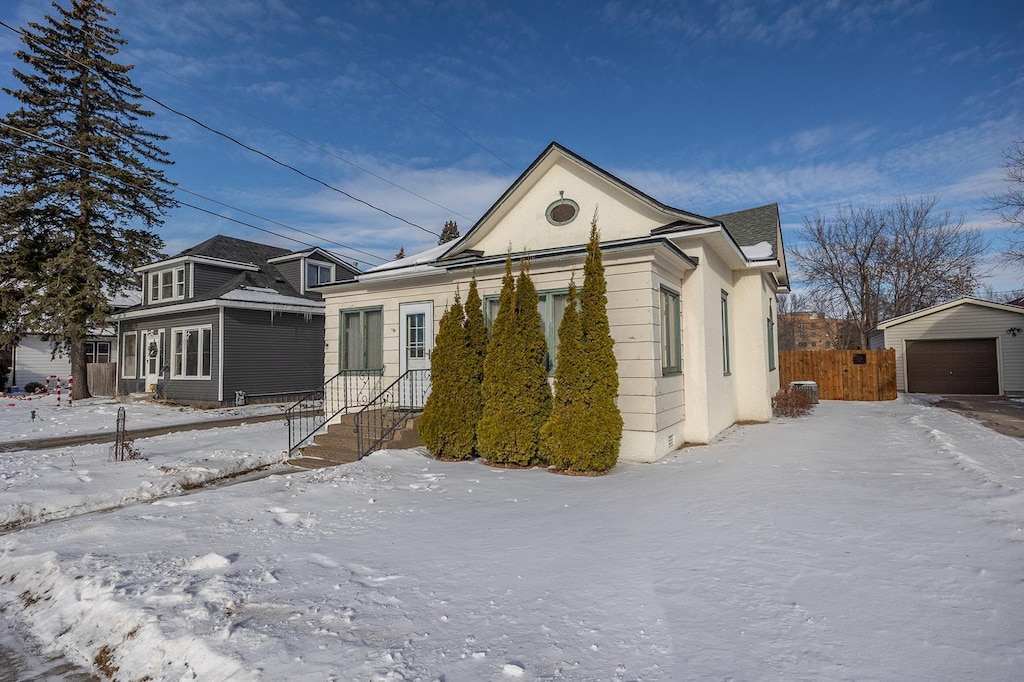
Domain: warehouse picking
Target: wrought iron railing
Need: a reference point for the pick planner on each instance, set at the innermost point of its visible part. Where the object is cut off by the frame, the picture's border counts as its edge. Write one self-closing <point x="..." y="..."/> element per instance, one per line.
<point x="381" y="417"/>
<point x="345" y="391"/>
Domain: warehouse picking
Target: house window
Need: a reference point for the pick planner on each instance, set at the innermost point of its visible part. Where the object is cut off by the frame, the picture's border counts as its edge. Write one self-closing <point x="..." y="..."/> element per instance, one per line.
<point x="318" y="273"/>
<point x="362" y="334"/>
<point x="771" y="338"/>
<point x="726" y="369"/>
<point x="130" y="355"/>
<point x="167" y="285"/>
<point x="551" y="306"/>
<point x="191" y="352"/>
<point x="671" y="343"/>
<point x="97" y="351"/>
<point x="415" y="334"/>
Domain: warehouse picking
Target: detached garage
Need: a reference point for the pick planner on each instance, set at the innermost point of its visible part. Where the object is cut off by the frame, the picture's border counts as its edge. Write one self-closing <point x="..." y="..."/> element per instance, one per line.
<point x="965" y="347"/>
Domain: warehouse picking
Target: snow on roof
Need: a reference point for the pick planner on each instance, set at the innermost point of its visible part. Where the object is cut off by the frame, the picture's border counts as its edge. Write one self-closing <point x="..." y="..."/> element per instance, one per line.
<point x="758" y="251"/>
<point x="428" y="256"/>
<point x="265" y="295"/>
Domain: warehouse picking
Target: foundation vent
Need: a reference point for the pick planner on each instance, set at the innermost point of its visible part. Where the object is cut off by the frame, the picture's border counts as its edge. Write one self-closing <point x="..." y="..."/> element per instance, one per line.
<point x="671" y="440"/>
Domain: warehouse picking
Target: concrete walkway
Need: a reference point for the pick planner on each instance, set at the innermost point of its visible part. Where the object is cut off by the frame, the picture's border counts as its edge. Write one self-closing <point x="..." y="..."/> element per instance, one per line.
<point x="110" y="436"/>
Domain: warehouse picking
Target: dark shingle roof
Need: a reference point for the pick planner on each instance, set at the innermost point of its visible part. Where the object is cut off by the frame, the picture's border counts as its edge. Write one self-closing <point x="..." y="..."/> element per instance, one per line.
<point x="242" y="251"/>
<point x="231" y="248"/>
<point x="753" y="225"/>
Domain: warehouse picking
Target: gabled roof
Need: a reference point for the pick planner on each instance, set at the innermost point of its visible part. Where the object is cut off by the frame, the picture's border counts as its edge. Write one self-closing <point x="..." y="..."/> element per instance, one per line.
<point x="753" y="225"/>
<point x="555" y="149"/>
<point x="967" y="300"/>
<point x="234" y="249"/>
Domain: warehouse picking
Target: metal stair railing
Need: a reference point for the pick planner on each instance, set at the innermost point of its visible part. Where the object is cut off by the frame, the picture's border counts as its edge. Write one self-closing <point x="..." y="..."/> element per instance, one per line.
<point x="380" y="418"/>
<point x="346" y="390"/>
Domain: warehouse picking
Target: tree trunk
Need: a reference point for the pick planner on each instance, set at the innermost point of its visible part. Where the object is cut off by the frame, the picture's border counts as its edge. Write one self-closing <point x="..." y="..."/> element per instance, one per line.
<point x="79" y="373"/>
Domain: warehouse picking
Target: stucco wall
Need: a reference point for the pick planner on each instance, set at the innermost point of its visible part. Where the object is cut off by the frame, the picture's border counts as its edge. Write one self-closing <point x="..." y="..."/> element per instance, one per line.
<point x="965" y="321"/>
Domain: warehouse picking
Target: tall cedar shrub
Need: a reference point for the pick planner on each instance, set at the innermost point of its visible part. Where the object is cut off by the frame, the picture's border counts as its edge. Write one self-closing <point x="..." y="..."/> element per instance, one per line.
<point x="535" y="405"/>
<point x="444" y="428"/>
<point x="81" y="188"/>
<point x="602" y="424"/>
<point x="516" y="404"/>
<point x="563" y="444"/>
<point x="476" y="339"/>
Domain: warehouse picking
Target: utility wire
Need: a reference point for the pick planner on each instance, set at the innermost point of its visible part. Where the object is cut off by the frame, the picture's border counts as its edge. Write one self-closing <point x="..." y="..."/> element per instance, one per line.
<point x="201" y="196"/>
<point x="250" y="148"/>
<point x="394" y="83"/>
<point x="292" y="135"/>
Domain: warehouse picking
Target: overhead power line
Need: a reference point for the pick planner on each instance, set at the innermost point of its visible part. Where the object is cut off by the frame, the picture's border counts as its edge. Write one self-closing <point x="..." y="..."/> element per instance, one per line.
<point x="201" y="196"/>
<point x="285" y="165"/>
<point x="397" y="86"/>
<point x="292" y="135"/>
<point x="250" y="148"/>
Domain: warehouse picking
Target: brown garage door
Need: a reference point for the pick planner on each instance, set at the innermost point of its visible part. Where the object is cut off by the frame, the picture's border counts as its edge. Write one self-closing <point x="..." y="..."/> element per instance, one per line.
<point x="963" y="366"/>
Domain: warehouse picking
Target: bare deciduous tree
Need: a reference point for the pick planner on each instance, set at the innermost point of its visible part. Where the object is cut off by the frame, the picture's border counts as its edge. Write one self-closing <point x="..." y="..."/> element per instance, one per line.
<point x="1010" y="204"/>
<point x="868" y="264"/>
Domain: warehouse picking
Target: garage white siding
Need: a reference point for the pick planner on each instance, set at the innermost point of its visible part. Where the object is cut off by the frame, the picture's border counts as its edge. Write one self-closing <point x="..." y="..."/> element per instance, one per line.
<point x="964" y="320"/>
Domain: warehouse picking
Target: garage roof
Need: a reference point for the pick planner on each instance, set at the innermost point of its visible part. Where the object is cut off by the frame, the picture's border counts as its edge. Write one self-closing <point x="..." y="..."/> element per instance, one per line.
<point x="967" y="300"/>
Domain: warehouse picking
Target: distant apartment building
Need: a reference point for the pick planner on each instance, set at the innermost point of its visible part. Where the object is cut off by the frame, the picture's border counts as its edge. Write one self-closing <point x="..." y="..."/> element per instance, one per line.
<point x="810" y="331"/>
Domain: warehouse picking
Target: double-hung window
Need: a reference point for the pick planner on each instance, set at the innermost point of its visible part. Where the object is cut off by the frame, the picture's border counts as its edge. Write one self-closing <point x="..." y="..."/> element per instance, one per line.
<point x="671" y="344"/>
<point x="129" y="355"/>
<point x="551" y="306"/>
<point x="97" y="351"/>
<point x="318" y="273"/>
<point x="726" y="366"/>
<point x="167" y="285"/>
<point x="362" y="339"/>
<point x="191" y="352"/>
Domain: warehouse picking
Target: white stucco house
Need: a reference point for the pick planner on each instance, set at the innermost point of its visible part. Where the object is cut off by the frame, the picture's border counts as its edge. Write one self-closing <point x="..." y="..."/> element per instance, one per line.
<point x="965" y="347"/>
<point x="691" y="299"/>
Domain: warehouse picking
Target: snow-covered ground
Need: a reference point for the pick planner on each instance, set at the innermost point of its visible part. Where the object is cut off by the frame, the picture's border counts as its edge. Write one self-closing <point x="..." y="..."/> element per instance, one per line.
<point x="865" y="541"/>
<point x="53" y="417"/>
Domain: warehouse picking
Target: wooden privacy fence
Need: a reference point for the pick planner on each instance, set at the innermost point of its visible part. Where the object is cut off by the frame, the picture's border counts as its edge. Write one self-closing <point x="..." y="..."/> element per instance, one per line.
<point x="101" y="378"/>
<point x="843" y="374"/>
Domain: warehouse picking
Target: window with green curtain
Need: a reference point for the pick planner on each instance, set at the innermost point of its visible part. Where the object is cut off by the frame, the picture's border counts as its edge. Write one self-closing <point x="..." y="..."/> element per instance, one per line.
<point x="771" y="337"/>
<point x="671" y="338"/>
<point x="362" y="339"/>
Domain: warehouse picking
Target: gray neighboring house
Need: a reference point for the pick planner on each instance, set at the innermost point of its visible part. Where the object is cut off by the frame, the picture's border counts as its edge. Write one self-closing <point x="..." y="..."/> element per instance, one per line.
<point x="966" y="347"/>
<point x="228" y="317"/>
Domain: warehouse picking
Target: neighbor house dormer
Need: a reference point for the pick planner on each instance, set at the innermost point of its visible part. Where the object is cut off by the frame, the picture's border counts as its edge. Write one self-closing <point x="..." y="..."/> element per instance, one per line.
<point x="306" y="270"/>
<point x="186" y="277"/>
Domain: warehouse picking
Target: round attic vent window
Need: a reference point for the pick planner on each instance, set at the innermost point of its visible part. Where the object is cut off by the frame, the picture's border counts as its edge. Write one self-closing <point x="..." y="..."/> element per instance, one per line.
<point x="562" y="211"/>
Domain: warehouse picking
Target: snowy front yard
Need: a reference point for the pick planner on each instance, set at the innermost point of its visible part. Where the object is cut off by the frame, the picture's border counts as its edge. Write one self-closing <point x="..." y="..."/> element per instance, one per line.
<point x="866" y="541"/>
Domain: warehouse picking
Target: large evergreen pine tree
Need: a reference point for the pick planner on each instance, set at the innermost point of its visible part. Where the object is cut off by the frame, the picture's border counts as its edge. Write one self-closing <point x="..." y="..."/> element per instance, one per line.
<point x="444" y="426"/>
<point x="80" y="191"/>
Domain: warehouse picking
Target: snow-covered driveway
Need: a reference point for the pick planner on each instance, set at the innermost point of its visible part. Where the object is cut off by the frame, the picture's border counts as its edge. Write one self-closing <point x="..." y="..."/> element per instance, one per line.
<point x="866" y="541"/>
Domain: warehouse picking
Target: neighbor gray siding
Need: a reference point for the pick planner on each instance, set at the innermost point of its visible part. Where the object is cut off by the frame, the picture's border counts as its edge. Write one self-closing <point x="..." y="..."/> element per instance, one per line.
<point x="208" y="277"/>
<point x="292" y="271"/>
<point x="270" y="353"/>
<point x="966" y="321"/>
<point x="179" y="390"/>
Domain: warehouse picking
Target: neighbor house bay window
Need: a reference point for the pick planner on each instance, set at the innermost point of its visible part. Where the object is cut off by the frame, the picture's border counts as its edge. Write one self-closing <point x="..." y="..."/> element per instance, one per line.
<point x="167" y="285"/>
<point x="671" y="345"/>
<point x="362" y="334"/>
<point x="191" y="353"/>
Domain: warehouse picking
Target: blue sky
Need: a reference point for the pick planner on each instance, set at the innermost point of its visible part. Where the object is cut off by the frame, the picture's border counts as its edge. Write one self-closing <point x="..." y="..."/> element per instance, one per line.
<point x="430" y="109"/>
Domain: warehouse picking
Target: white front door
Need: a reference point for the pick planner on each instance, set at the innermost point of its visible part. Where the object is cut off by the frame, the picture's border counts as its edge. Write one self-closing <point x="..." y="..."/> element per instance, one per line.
<point x="416" y="341"/>
<point x="152" y="350"/>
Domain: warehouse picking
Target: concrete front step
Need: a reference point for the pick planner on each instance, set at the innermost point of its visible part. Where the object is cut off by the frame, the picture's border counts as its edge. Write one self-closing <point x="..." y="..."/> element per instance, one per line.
<point x="338" y="445"/>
